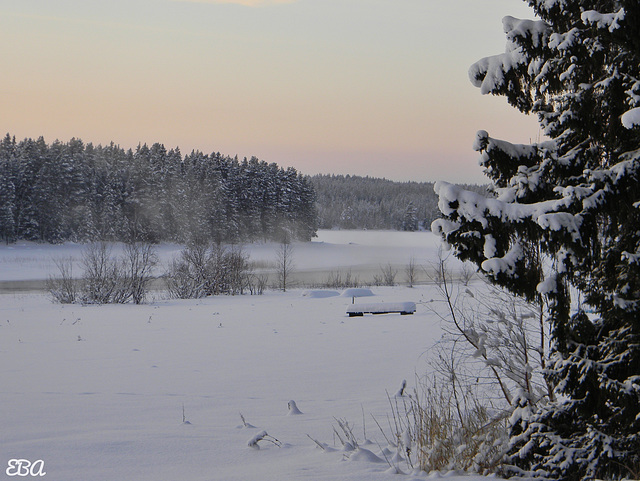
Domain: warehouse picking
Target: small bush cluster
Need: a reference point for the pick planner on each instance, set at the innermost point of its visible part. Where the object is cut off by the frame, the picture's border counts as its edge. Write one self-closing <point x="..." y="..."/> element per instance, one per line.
<point x="206" y="270"/>
<point x="106" y="279"/>
<point x="387" y="276"/>
<point x="437" y="430"/>
<point x="341" y="280"/>
<point x="487" y="367"/>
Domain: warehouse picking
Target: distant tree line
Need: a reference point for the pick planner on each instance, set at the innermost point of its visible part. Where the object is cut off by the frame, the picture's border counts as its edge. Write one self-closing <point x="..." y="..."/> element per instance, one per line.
<point x="80" y="192"/>
<point x="354" y="202"/>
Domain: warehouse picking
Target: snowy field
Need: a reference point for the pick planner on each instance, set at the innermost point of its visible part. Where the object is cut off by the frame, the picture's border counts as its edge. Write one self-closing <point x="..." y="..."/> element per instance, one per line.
<point x="156" y="392"/>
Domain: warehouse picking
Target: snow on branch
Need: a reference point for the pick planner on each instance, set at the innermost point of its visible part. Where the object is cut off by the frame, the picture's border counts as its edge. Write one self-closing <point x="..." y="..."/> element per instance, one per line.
<point x="549" y="285"/>
<point x="487" y="145"/>
<point x="262" y="436"/>
<point x="631" y="118"/>
<point x="631" y="257"/>
<point x="609" y="21"/>
<point x="489" y="73"/>
<point x="536" y="30"/>
<point x="443" y="227"/>
<point x="506" y="264"/>
<point x="558" y="221"/>
<point x="564" y="41"/>
<point x="629" y="166"/>
<point x="517" y="151"/>
<point x="471" y="206"/>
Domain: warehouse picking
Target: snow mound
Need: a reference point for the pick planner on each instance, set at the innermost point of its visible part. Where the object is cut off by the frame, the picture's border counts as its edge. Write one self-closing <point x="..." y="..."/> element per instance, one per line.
<point x="357" y="292"/>
<point x="293" y="409"/>
<point x="262" y="436"/>
<point x="253" y="442"/>
<point x="362" y="454"/>
<point x="395" y="470"/>
<point x="319" y="294"/>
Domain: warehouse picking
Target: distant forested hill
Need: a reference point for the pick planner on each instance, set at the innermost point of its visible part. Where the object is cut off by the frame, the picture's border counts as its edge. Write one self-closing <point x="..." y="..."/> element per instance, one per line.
<point x="80" y="192"/>
<point x="354" y="202"/>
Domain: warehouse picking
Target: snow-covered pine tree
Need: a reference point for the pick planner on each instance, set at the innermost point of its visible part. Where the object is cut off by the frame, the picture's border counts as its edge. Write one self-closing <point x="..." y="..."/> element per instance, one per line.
<point x="410" y="218"/>
<point x="7" y="189"/>
<point x="563" y="228"/>
<point x="307" y="212"/>
<point x="173" y="183"/>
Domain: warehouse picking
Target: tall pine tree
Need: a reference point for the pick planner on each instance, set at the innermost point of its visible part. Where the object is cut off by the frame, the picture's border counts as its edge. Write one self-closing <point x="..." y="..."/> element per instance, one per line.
<point x="563" y="228"/>
<point x="7" y="189"/>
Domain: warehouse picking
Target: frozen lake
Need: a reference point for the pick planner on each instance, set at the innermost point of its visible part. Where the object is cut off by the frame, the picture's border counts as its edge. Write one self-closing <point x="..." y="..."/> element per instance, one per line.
<point x="25" y="266"/>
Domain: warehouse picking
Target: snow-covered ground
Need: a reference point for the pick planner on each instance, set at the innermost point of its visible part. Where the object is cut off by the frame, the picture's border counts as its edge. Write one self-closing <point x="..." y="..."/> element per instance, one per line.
<point x="99" y="392"/>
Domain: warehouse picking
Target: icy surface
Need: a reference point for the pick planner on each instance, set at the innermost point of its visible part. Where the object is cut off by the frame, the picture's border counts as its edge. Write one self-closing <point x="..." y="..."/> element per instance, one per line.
<point x="331" y="250"/>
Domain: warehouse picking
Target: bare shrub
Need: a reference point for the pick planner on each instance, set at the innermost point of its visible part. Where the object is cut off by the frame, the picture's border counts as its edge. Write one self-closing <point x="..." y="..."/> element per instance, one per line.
<point x="257" y="283"/>
<point x="105" y="279"/>
<point x="137" y="265"/>
<point x="467" y="273"/>
<point x="411" y="272"/>
<point x="285" y="264"/>
<point x="187" y="277"/>
<point x="435" y="430"/>
<point x="488" y="365"/>
<point x="498" y="333"/>
<point x="387" y="276"/>
<point x="181" y="284"/>
<point x="237" y="269"/>
<point x="64" y="288"/>
<point x="345" y="435"/>
<point x="102" y="276"/>
<point x="202" y="270"/>
<point x="341" y="280"/>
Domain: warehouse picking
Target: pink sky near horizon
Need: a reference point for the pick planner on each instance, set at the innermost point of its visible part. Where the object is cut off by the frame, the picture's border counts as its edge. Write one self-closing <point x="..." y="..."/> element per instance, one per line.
<point x="365" y="87"/>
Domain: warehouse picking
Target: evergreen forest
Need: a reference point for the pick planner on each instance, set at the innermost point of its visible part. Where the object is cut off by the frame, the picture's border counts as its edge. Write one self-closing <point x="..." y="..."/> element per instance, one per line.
<point x="355" y="202"/>
<point x="80" y="192"/>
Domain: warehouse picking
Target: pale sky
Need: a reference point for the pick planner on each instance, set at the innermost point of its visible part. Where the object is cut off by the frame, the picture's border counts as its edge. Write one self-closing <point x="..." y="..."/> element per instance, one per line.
<point x="365" y="87"/>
